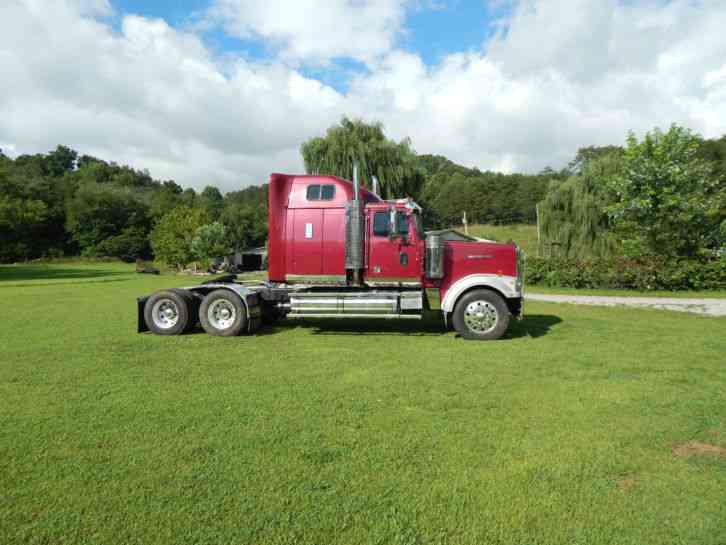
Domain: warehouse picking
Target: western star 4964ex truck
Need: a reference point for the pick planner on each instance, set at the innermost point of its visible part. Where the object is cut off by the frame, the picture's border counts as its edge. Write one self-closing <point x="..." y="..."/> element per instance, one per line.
<point x="337" y="250"/>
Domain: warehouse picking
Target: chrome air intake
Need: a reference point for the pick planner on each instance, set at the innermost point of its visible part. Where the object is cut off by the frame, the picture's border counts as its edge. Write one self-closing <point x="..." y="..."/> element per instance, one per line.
<point x="434" y="256"/>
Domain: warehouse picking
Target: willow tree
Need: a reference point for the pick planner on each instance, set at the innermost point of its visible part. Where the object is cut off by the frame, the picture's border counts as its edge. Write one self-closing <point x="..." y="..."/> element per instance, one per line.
<point x="353" y="140"/>
<point x="573" y="215"/>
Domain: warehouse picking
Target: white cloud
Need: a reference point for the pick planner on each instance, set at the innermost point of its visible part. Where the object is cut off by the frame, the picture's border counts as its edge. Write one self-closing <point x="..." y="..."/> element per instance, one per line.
<point x="315" y="30"/>
<point x="151" y="96"/>
<point x="98" y="8"/>
<point x="561" y="75"/>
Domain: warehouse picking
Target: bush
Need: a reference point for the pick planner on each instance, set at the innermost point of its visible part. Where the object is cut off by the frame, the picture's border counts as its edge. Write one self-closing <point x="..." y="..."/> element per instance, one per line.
<point x="646" y="273"/>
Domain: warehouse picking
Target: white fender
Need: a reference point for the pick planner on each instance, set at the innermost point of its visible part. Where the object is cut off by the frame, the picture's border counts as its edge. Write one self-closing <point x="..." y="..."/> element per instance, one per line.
<point x="507" y="285"/>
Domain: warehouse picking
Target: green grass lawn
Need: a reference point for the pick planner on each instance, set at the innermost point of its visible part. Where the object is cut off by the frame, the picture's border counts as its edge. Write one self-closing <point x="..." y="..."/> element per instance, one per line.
<point x="350" y="433"/>
<point x="524" y="235"/>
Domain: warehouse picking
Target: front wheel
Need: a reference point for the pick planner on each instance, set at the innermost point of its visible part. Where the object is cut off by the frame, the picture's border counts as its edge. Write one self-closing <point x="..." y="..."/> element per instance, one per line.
<point x="222" y="313"/>
<point x="481" y="315"/>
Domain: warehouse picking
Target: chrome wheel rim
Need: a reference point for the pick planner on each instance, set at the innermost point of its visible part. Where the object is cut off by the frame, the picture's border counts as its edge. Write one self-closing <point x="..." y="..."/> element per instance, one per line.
<point x="481" y="316"/>
<point x="165" y="314"/>
<point x="221" y="314"/>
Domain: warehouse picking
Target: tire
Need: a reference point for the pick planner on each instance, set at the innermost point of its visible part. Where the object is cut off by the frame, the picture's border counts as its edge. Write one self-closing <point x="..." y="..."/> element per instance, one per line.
<point x="481" y="315"/>
<point x="168" y="312"/>
<point x="223" y="314"/>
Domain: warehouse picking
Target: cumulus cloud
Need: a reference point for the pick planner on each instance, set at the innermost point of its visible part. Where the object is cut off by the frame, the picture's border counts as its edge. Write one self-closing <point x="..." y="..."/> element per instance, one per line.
<point x="315" y="30"/>
<point x="151" y="96"/>
<point x="560" y="74"/>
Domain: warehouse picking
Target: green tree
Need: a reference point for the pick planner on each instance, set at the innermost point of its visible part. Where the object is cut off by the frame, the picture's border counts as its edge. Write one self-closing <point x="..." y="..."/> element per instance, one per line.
<point x="714" y="150"/>
<point x="573" y="217"/>
<point x="394" y="164"/>
<point x="188" y="197"/>
<point x="667" y="200"/>
<point x="165" y="199"/>
<point x="210" y="241"/>
<point x="589" y="154"/>
<point x="212" y="201"/>
<point x="18" y="216"/>
<point x="132" y="243"/>
<point x="60" y="161"/>
<point x="171" y="238"/>
<point x="100" y="212"/>
<point x="245" y="217"/>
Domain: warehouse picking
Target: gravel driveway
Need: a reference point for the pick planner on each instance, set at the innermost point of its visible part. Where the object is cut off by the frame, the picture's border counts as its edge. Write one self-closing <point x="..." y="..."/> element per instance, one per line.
<point x="709" y="307"/>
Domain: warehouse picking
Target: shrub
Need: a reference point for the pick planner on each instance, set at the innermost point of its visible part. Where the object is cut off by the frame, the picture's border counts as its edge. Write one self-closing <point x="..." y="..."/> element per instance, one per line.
<point x="171" y="238"/>
<point x="645" y="273"/>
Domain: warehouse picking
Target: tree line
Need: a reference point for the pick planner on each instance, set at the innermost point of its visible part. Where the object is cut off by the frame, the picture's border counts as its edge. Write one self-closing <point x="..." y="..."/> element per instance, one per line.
<point x="65" y="204"/>
<point x="62" y="203"/>
<point x="662" y="195"/>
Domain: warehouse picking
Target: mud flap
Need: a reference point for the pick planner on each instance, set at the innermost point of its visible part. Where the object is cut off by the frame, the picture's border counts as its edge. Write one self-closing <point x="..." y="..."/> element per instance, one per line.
<point x="254" y="313"/>
<point x="141" y="304"/>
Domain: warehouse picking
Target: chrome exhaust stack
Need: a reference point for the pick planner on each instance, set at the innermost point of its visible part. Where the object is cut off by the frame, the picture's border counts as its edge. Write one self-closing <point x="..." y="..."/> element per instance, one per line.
<point x="354" y="233"/>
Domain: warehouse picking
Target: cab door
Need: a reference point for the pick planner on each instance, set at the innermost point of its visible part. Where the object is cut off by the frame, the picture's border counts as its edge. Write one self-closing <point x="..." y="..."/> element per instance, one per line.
<point x="392" y="260"/>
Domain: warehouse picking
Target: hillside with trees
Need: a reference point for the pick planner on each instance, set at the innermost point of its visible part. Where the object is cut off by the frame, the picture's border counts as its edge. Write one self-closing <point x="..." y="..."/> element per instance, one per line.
<point x="60" y="203"/>
<point x="662" y="196"/>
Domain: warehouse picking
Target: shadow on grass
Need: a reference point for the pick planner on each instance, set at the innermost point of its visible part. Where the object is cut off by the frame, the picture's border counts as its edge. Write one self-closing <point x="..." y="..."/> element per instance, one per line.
<point x="16" y="273"/>
<point x="533" y="325"/>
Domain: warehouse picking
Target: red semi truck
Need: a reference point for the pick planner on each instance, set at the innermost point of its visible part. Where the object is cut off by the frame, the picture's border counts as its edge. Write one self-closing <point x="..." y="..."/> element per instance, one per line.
<point x="337" y="250"/>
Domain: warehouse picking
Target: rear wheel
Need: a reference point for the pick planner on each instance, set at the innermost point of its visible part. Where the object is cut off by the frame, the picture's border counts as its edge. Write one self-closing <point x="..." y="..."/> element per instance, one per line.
<point x="168" y="312"/>
<point x="481" y="315"/>
<point x="222" y="313"/>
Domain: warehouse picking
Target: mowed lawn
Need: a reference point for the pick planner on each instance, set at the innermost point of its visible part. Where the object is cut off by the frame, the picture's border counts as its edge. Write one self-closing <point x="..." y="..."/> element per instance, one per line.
<point x="525" y="235"/>
<point x="586" y="425"/>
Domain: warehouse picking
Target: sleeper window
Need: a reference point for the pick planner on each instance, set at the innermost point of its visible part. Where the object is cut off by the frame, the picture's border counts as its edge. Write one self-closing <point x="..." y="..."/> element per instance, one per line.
<point x="318" y="192"/>
<point x="314" y="192"/>
<point x="327" y="192"/>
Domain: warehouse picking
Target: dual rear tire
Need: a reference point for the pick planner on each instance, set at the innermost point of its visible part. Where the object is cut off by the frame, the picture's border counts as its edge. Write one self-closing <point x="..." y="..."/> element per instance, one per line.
<point x="173" y="312"/>
<point x="223" y="314"/>
<point x="169" y="312"/>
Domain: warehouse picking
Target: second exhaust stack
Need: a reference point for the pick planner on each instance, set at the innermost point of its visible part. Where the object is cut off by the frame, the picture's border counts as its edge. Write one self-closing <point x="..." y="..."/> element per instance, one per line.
<point x="354" y="232"/>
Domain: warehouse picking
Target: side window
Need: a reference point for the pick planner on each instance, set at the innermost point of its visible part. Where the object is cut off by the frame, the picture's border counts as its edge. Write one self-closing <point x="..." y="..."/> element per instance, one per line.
<point x="321" y="192"/>
<point x="327" y="193"/>
<point x="380" y="224"/>
<point x="402" y="224"/>
<point x="313" y="193"/>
